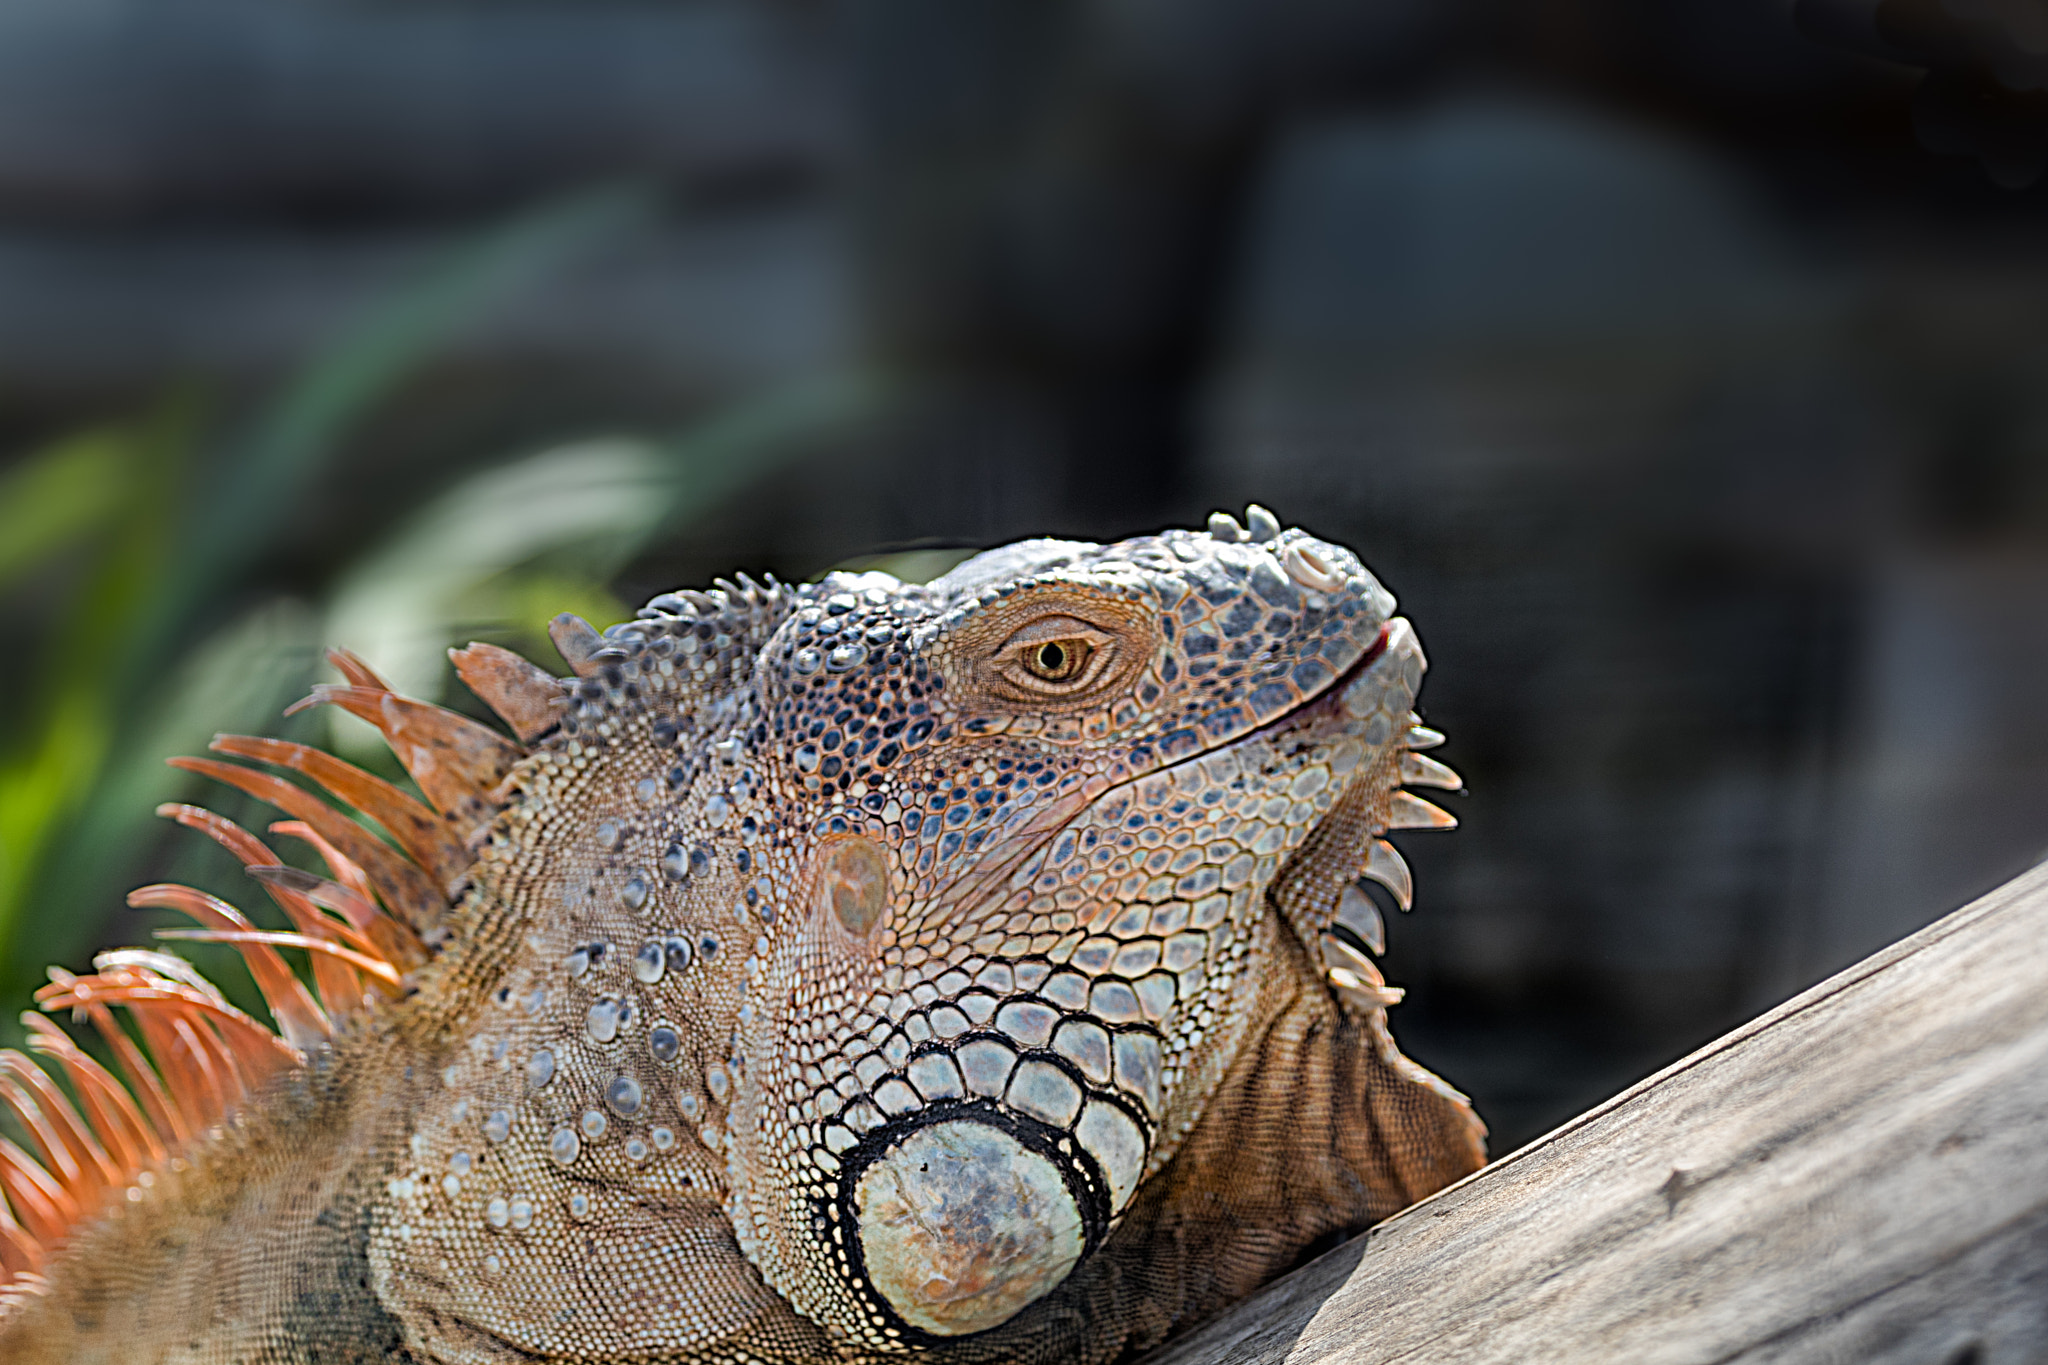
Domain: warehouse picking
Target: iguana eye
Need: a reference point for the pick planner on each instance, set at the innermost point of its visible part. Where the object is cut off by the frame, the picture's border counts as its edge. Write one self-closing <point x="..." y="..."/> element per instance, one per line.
<point x="1055" y="657"/>
<point x="1057" y="660"/>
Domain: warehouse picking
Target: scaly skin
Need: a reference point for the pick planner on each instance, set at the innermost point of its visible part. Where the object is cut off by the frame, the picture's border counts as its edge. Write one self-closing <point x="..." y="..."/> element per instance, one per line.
<point x="965" y="993"/>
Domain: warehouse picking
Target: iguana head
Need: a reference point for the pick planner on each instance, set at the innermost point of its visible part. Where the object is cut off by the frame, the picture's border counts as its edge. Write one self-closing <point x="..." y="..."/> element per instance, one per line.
<point x="897" y="932"/>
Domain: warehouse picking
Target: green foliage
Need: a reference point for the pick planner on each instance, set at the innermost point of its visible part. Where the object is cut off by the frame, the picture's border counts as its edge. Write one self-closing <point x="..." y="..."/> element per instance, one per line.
<point x="57" y="497"/>
<point x="100" y="496"/>
<point x="233" y="520"/>
<point x="141" y="543"/>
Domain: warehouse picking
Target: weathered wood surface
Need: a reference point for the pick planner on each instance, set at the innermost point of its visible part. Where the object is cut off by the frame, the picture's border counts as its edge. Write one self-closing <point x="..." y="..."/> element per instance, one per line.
<point x="1860" y="1175"/>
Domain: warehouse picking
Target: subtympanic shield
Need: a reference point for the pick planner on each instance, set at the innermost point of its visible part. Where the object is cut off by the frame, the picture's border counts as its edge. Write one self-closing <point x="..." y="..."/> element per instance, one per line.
<point x="967" y="1214"/>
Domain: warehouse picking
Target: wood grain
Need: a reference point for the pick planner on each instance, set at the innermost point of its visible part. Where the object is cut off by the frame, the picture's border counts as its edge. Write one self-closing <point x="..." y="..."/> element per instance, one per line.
<point x="1860" y="1175"/>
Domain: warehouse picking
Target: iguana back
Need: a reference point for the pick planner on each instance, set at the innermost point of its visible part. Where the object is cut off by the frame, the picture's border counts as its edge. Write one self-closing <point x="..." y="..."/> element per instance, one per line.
<point x="973" y="971"/>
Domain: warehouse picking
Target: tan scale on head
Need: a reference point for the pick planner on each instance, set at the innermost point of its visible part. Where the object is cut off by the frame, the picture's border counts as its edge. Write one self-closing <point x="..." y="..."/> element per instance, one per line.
<point x="977" y="970"/>
<point x="899" y="929"/>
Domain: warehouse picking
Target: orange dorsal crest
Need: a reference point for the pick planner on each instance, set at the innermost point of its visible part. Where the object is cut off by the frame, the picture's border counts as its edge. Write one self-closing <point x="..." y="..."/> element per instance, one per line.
<point x="184" y="1060"/>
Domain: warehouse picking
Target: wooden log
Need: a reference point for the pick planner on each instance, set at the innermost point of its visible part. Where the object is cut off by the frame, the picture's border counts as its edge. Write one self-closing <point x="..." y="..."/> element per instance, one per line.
<point x="1860" y="1175"/>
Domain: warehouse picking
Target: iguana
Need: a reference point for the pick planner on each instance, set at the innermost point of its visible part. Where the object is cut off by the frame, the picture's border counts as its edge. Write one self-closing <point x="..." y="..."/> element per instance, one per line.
<point x="846" y="972"/>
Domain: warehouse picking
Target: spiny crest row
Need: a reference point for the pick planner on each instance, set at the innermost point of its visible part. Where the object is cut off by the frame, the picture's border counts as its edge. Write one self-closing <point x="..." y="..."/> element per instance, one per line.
<point x="372" y="919"/>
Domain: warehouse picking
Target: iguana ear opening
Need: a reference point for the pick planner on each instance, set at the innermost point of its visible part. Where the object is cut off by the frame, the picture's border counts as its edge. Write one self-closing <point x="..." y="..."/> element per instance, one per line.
<point x="853" y="883"/>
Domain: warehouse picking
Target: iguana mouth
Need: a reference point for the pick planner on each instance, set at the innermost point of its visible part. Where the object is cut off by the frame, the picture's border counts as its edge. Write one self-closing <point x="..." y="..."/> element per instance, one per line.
<point x="1051" y="821"/>
<point x="1332" y="692"/>
<point x="1331" y="696"/>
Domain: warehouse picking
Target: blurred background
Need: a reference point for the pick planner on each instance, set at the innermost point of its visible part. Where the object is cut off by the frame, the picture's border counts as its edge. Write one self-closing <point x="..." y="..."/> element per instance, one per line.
<point x="1681" y="364"/>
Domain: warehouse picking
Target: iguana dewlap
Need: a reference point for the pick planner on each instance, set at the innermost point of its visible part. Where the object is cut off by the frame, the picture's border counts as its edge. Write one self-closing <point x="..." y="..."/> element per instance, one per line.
<point x="831" y="973"/>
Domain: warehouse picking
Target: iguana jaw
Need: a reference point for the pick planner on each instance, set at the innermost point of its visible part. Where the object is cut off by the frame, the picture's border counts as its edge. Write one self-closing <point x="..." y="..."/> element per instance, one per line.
<point x="1361" y="686"/>
<point x="1249" y="673"/>
<point x="968" y="1219"/>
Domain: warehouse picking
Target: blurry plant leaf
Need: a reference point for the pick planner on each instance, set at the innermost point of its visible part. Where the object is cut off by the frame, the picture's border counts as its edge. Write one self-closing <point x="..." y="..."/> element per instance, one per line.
<point x="238" y="518"/>
<point x="514" y="610"/>
<point x="591" y="505"/>
<point x="485" y="558"/>
<point x="57" y="495"/>
<point x="238" y="679"/>
<point x="75" y="806"/>
<point x="112" y="483"/>
<point x="43" y="788"/>
<point x="108" y="487"/>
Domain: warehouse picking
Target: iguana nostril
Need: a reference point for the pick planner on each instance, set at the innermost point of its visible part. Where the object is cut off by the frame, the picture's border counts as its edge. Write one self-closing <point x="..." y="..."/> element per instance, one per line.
<point x="1310" y="569"/>
<point x="962" y="1226"/>
<point x="853" y="879"/>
